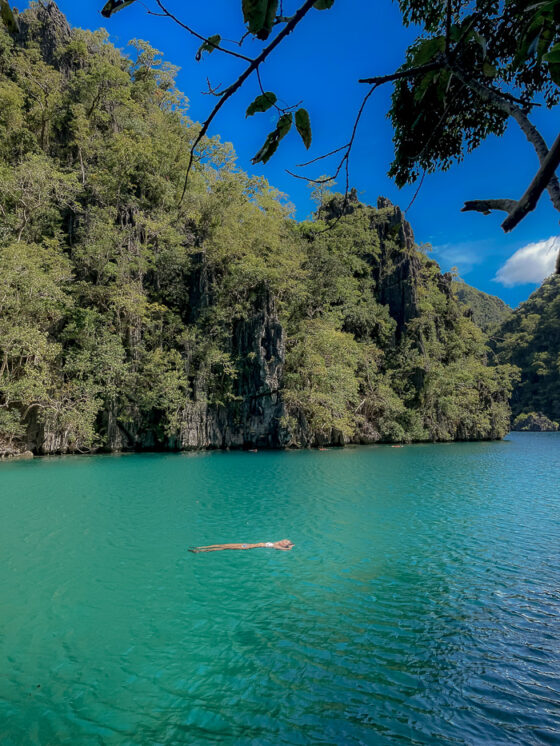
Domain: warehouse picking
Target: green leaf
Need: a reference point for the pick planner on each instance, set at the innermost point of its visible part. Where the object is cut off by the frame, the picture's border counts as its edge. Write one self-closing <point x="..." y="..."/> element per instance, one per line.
<point x="303" y="124"/>
<point x="209" y="46"/>
<point x="284" y="124"/>
<point x="273" y="140"/>
<point x="268" y="149"/>
<point x="114" y="5"/>
<point x="429" y="49"/>
<point x="323" y="4"/>
<point x="261" y="103"/>
<point x="259" y="15"/>
<point x="8" y="18"/>
<point x="554" y="68"/>
<point x="489" y="70"/>
<point x="553" y="55"/>
<point x="422" y="87"/>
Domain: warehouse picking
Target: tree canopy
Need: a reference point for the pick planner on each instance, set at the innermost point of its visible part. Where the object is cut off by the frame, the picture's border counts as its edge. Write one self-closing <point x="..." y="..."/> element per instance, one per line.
<point x="473" y="66"/>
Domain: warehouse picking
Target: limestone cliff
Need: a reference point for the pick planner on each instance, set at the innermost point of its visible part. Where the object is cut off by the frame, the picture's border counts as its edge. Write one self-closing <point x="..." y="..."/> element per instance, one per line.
<point x="133" y="320"/>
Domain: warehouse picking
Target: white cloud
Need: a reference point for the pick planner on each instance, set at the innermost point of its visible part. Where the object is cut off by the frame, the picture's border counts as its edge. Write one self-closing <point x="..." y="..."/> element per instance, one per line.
<point x="530" y="264"/>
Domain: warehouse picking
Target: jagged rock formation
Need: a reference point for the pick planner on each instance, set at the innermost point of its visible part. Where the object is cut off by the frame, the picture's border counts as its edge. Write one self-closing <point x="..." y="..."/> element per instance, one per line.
<point x="128" y="322"/>
<point x="253" y="418"/>
<point x="47" y="26"/>
<point x="396" y="274"/>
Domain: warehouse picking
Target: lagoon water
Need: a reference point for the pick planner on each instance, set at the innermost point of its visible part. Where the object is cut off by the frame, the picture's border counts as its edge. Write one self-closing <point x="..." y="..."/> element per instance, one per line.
<point x="420" y="605"/>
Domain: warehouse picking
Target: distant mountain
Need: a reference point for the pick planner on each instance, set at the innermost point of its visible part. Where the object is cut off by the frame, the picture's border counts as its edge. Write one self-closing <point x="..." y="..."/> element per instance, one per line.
<point x="530" y="339"/>
<point x="487" y="310"/>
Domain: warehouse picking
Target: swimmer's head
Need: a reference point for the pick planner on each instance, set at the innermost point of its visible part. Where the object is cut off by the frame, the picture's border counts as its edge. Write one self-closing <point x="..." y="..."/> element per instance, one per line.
<point x="286" y="543"/>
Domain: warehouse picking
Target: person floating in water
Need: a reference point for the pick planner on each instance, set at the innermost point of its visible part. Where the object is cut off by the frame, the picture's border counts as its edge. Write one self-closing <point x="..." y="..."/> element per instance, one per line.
<point x="285" y="545"/>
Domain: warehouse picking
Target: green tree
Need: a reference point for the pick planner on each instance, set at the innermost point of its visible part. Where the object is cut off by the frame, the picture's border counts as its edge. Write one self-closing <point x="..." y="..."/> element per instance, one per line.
<point x="530" y="339"/>
<point x="473" y="66"/>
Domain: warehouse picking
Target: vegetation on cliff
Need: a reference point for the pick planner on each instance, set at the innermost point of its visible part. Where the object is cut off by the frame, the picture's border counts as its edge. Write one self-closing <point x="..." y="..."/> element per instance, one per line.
<point x="488" y="311"/>
<point x="129" y="318"/>
<point x="534" y="422"/>
<point x="530" y="340"/>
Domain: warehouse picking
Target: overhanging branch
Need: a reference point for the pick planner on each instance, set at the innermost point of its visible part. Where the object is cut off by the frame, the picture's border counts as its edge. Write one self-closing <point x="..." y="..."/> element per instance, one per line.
<point x="518" y="209"/>
<point x="542" y="180"/>
<point x="485" y="206"/>
<point x="410" y="72"/>
<point x="529" y="130"/>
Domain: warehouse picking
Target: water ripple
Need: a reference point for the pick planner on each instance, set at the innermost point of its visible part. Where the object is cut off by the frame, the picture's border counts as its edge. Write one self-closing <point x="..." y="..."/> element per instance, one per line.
<point x="420" y="605"/>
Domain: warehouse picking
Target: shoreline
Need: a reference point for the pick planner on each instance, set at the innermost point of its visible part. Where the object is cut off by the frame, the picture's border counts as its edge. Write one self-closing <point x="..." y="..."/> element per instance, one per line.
<point x="30" y="456"/>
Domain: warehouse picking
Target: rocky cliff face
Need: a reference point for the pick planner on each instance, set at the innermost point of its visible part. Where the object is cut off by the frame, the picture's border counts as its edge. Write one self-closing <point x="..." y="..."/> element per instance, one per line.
<point x="396" y="274"/>
<point x="47" y="26"/>
<point x="253" y="419"/>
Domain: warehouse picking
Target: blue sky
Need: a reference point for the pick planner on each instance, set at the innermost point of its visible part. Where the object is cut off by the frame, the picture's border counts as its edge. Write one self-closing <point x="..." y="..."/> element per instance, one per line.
<point x="320" y="64"/>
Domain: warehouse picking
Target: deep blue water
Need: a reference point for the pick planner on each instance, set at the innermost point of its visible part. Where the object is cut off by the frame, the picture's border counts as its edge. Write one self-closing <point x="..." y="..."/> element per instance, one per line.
<point x="420" y="605"/>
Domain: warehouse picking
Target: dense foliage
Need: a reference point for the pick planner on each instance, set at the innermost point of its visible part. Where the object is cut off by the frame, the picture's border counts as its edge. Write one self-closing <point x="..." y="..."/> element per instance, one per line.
<point x="479" y="52"/>
<point x="534" y="422"/>
<point x="530" y="339"/>
<point x="488" y="311"/>
<point x="473" y="65"/>
<point x="121" y="305"/>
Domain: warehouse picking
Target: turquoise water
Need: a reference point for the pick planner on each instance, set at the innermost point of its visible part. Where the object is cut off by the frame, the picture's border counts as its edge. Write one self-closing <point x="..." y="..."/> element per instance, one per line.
<point x="420" y="605"/>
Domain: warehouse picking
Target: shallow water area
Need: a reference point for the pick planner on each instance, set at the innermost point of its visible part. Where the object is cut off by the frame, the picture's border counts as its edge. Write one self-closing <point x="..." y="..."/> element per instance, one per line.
<point x="420" y="604"/>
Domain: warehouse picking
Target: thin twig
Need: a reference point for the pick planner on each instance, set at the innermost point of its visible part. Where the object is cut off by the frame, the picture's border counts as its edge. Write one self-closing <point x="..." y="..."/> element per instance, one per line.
<point x="321" y="157"/>
<point x="345" y="158"/>
<point x="417" y="192"/>
<point x="259" y="79"/>
<point x="202" y="38"/>
<point x="234" y="87"/>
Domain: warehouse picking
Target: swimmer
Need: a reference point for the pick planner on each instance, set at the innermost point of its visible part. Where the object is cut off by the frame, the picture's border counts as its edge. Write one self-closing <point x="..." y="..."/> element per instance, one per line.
<point x="285" y="545"/>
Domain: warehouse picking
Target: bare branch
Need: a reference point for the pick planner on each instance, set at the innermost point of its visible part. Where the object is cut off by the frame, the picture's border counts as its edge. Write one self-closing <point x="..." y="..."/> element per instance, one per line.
<point x="321" y="157"/>
<point x="212" y="91"/>
<point x="417" y="192"/>
<point x="345" y="160"/>
<point x="410" y="72"/>
<point x="485" y="206"/>
<point x="323" y="180"/>
<point x="529" y="200"/>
